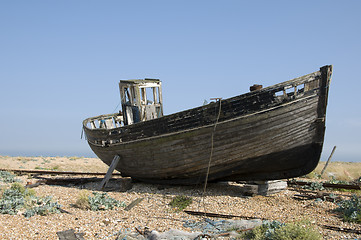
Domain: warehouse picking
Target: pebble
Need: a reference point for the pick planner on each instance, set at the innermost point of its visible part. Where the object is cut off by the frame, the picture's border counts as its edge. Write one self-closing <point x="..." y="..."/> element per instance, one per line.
<point x="155" y="213"/>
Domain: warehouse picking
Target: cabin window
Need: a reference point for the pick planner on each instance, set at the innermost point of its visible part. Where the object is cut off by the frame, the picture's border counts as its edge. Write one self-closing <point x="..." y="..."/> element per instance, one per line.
<point x="156" y="95"/>
<point x="126" y="95"/>
<point x="149" y="95"/>
<point x="129" y="95"/>
<point x="146" y="96"/>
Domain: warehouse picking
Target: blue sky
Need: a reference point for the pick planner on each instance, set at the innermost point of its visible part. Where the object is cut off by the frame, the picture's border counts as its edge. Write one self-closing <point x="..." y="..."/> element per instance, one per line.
<point x="60" y="61"/>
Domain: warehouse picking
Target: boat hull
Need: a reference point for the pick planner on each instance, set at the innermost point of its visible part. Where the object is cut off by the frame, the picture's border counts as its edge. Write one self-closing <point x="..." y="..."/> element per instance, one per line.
<point x="276" y="140"/>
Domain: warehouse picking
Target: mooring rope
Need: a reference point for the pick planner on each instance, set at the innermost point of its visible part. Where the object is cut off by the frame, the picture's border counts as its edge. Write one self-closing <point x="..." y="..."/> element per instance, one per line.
<point x="211" y="155"/>
<point x="117" y="106"/>
<point x="120" y="101"/>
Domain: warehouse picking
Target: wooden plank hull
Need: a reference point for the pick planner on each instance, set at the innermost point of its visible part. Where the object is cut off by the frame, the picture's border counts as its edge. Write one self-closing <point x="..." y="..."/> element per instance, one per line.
<point x="258" y="136"/>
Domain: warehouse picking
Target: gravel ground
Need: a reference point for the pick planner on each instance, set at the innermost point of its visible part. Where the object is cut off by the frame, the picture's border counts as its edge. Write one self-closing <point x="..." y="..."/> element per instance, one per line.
<point x="155" y="213"/>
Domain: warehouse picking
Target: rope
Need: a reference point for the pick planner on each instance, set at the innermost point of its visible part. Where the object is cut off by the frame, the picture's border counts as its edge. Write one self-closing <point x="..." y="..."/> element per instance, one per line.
<point x="210" y="158"/>
<point x="117" y="106"/>
<point x="121" y="100"/>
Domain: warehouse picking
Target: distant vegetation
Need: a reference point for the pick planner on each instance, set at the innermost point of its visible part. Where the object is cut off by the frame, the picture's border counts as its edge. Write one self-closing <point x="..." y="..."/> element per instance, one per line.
<point x="343" y="171"/>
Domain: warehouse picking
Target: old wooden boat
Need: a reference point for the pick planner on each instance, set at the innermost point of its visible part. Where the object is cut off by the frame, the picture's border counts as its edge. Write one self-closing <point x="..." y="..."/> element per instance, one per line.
<point x="271" y="133"/>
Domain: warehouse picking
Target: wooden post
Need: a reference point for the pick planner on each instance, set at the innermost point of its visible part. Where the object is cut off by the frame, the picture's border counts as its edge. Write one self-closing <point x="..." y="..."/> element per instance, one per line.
<point x="109" y="172"/>
<point x="328" y="160"/>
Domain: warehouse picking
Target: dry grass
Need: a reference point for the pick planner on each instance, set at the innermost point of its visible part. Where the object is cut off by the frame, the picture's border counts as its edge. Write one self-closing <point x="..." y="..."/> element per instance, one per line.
<point x="83" y="200"/>
<point x="346" y="171"/>
<point x="75" y="164"/>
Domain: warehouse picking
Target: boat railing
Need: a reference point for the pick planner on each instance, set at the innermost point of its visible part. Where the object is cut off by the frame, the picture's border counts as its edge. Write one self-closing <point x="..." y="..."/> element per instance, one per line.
<point x="290" y="91"/>
<point x="105" y="122"/>
<point x="297" y="89"/>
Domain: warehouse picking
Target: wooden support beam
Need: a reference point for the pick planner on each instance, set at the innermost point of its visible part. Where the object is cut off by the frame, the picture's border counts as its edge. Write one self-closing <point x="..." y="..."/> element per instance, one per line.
<point x="109" y="172"/>
<point x="328" y="161"/>
<point x="326" y="185"/>
<point x="48" y="172"/>
<point x="218" y="215"/>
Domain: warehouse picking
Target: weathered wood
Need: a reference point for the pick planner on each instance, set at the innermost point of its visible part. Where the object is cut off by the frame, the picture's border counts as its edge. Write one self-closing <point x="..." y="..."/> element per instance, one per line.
<point x="70" y="235"/>
<point x="341" y="229"/>
<point x="63" y="181"/>
<point x="259" y="136"/>
<point x="327" y="185"/>
<point x="129" y="115"/>
<point x="109" y="123"/>
<point x="136" y="103"/>
<point x="218" y="215"/>
<point x="133" y="204"/>
<point x="226" y="141"/>
<point x="264" y="188"/>
<point x="109" y="172"/>
<point x="150" y="112"/>
<point x="328" y="160"/>
<point x="47" y="172"/>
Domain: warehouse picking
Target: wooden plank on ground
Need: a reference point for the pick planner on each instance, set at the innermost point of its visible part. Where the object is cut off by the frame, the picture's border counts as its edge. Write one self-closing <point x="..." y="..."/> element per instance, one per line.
<point x="133" y="204"/>
<point x="70" y="235"/>
<point x="109" y="172"/>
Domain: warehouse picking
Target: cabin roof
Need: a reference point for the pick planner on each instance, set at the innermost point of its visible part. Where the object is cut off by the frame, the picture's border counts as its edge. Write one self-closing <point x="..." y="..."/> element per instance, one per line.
<point x="140" y="81"/>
